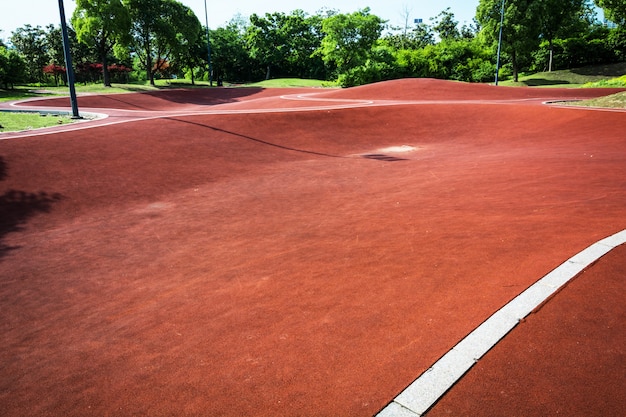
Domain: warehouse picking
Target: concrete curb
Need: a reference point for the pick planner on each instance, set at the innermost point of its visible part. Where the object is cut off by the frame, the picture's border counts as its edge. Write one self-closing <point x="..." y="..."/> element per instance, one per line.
<point x="426" y="390"/>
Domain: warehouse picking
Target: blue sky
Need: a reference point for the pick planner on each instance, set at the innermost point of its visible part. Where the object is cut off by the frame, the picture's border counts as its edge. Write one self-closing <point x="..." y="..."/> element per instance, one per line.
<point x="17" y="13"/>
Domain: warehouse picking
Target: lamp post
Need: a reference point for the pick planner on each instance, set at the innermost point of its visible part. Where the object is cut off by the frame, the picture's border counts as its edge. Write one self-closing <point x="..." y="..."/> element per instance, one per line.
<point x="68" y="63"/>
<point x="500" y="41"/>
<point x="208" y="44"/>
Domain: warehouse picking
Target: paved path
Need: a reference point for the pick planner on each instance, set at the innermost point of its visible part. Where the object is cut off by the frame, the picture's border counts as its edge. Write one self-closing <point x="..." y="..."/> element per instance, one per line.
<point x="257" y="252"/>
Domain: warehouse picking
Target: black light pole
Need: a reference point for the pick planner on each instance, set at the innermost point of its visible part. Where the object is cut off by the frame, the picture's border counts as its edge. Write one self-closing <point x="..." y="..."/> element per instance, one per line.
<point x="68" y="63"/>
<point x="208" y="44"/>
<point x="500" y="41"/>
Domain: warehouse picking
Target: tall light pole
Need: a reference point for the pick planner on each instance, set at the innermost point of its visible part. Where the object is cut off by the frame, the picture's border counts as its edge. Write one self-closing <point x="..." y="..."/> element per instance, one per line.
<point x="500" y="41"/>
<point x="208" y="44"/>
<point x="68" y="62"/>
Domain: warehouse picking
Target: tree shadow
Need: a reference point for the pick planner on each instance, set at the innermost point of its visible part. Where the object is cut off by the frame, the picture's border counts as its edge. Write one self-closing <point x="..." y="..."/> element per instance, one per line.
<point x="260" y="141"/>
<point x="164" y="98"/>
<point x="609" y="70"/>
<point x="538" y="82"/>
<point x="204" y="96"/>
<point x="17" y="207"/>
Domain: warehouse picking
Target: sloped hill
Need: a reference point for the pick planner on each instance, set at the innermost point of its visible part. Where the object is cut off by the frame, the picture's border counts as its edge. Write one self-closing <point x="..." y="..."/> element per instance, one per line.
<point x="433" y="89"/>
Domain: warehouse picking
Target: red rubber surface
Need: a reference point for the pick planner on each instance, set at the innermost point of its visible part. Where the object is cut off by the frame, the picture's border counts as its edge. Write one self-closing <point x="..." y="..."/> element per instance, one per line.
<point x="256" y="264"/>
<point x="568" y="358"/>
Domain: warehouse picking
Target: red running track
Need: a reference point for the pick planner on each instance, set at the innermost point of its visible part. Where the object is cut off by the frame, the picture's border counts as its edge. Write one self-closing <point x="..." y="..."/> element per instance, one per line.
<point x="207" y="257"/>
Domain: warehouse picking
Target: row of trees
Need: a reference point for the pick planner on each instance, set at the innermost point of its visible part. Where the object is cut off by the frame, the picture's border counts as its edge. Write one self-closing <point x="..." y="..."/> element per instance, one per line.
<point x="165" y="38"/>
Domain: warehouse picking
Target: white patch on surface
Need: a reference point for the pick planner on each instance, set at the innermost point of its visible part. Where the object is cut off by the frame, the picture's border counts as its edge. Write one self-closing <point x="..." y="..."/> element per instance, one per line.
<point x="398" y="149"/>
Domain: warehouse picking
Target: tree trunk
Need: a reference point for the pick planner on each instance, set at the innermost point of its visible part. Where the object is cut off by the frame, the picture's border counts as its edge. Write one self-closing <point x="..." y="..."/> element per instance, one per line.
<point x="267" y="74"/>
<point x="551" y="56"/>
<point x="105" y="70"/>
<point x="149" y="71"/>
<point x="515" y="69"/>
<point x="148" y="50"/>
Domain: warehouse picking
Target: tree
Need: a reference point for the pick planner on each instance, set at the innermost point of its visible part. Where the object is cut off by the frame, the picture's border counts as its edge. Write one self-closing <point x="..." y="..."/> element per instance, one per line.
<point x="558" y="18"/>
<point x="56" y="71"/>
<point x="102" y="24"/>
<point x="417" y="38"/>
<point x="350" y="38"/>
<point x="30" y="43"/>
<point x="445" y="25"/>
<point x="285" y="43"/>
<point x="521" y="29"/>
<point x="180" y="45"/>
<point x="266" y="41"/>
<point x="12" y="67"/>
<point x="162" y="30"/>
<point x="614" y="10"/>
<point x="229" y="54"/>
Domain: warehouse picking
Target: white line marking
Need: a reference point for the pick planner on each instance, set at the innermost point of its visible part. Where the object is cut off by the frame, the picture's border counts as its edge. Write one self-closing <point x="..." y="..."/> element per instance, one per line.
<point x="424" y="392"/>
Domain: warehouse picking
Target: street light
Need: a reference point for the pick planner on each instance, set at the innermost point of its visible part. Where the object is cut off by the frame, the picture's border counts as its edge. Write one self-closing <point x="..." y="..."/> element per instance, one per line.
<point x="68" y="63"/>
<point x="500" y="41"/>
<point x="208" y="44"/>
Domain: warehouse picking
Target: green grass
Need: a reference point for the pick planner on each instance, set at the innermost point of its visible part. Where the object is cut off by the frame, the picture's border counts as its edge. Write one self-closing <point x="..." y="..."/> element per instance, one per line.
<point x="619" y="82"/>
<point x="579" y="77"/>
<point x="18" y="121"/>
<point x="34" y="91"/>
<point x="292" y="83"/>
<point x="615" y="101"/>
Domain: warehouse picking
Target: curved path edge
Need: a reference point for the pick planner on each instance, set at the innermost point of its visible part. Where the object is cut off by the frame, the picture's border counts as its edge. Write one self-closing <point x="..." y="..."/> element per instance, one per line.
<point x="426" y="390"/>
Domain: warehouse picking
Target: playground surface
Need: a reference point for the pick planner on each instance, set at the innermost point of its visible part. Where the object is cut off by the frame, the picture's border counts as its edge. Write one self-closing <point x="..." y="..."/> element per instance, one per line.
<point x="311" y="252"/>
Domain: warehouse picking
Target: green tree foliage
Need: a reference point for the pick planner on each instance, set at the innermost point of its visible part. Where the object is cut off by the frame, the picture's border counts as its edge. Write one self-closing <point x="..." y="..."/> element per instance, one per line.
<point x="12" y="67"/>
<point x="164" y="38"/>
<point x="285" y="43"/>
<point x="349" y="39"/>
<point x="614" y="10"/>
<point x="163" y="32"/>
<point x="53" y="39"/>
<point x="195" y="57"/>
<point x="445" y="26"/>
<point x="521" y="29"/>
<point x="596" y="45"/>
<point x="558" y="19"/>
<point x="229" y="53"/>
<point x="184" y="44"/>
<point x="102" y="24"/>
<point x="30" y="43"/>
<point x="457" y="59"/>
<point x="418" y="37"/>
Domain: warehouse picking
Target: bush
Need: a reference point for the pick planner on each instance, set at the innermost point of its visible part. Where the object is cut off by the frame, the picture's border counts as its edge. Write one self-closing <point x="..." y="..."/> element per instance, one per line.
<point x="370" y="72"/>
<point x="12" y="68"/>
<point x="458" y="59"/>
<point x="592" y="49"/>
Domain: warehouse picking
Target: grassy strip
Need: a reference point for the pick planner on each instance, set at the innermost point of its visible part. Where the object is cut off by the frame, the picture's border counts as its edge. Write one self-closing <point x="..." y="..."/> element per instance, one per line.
<point x="293" y="83"/>
<point x="18" y="121"/>
<point x="614" y="101"/>
<point x="23" y="92"/>
<point x="578" y="77"/>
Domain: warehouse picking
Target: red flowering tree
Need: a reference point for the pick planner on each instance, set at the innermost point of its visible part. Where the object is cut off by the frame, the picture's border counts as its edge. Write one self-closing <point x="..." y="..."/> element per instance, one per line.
<point x="119" y="73"/>
<point x="56" y="71"/>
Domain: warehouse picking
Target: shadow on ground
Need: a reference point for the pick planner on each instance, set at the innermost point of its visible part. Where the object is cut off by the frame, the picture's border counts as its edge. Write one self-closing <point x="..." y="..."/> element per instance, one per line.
<point x="145" y="100"/>
<point x="538" y="82"/>
<point x="17" y="207"/>
<point x="611" y="70"/>
<point x="249" y="138"/>
<point x="204" y="96"/>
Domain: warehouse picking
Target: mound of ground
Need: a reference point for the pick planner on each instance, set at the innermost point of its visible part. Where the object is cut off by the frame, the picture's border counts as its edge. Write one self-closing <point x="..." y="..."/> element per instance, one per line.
<point x="432" y="89"/>
<point x="176" y="99"/>
<point x="409" y="89"/>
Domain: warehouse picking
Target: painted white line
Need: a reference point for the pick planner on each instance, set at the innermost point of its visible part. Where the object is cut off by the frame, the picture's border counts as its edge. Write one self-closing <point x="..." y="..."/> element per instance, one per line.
<point x="422" y="394"/>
